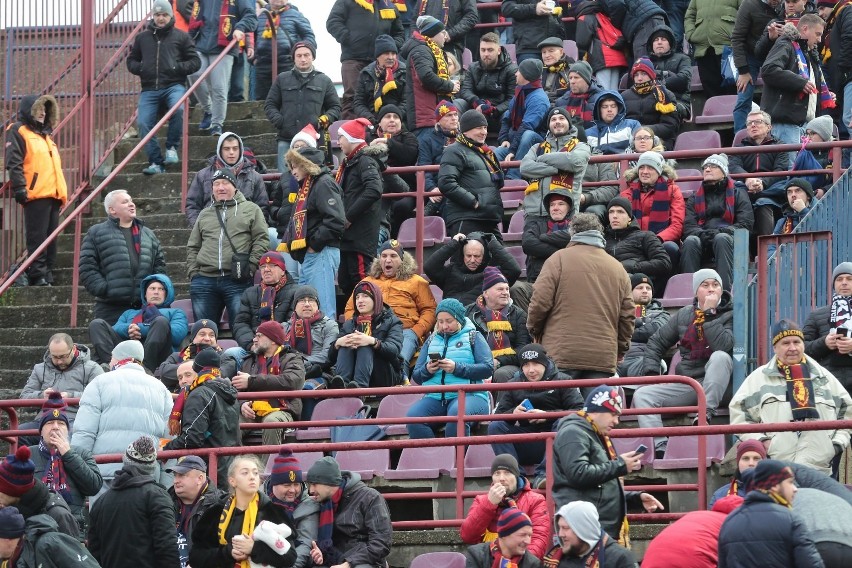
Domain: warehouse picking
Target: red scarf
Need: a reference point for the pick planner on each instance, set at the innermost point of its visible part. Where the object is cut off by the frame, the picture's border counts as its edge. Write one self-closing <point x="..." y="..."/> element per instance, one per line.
<point x="325" y="530"/>
<point x="299" y="334"/>
<point x="270" y="365"/>
<point x="516" y="117"/>
<point x="296" y="235"/>
<point x="640" y="310"/>
<point x="660" y="214"/>
<point x="227" y="17"/>
<point x="694" y="341"/>
<point x="501" y="561"/>
<point x="498" y="327"/>
<point x="553" y="226"/>
<point x="700" y="205"/>
<point x="577" y="105"/>
<point x="364" y="324"/>
<point x="266" y="310"/>
<point x="800" y="390"/>
<point x="54" y="474"/>
<point x="206" y="374"/>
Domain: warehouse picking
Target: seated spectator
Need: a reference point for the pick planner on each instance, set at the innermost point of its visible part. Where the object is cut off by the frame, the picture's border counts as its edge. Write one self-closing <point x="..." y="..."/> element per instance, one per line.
<point x="800" y="196"/>
<point x="19" y="488"/>
<point x="228" y="533"/>
<point x="455" y="354"/>
<point x="555" y="67"/>
<point x="536" y="367"/>
<point x="803" y="380"/>
<point x="431" y="144"/>
<point x="287" y="488"/>
<point x="522" y="121"/>
<point x="67" y="471"/>
<point x="367" y="352"/>
<point x="489" y="83"/>
<point x="765" y="193"/>
<point x="161" y="329"/>
<point x="360" y="533"/>
<point x="202" y="335"/>
<point x="657" y="202"/>
<point x="66" y="369"/>
<point x="595" y="199"/>
<point x="205" y="414"/>
<point x="820" y="129"/>
<point x="192" y="494"/>
<point x="230" y="153"/>
<point x="636" y="250"/>
<point x="558" y="162"/>
<point x="514" y="536"/>
<point x="749" y="453"/>
<point x="611" y="131"/>
<point x="270" y="300"/>
<point x="603" y="43"/>
<point x="402" y="150"/>
<point x="508" y="489"/>
<point x="271" y="366"/>
<point x="713" y="213"/>
<point x="382" y="82"/>
<point x="644" y="140"/>
<point x="544" y="236"/>
<point x="580" y="537"/>
<point x="24" y="541"/>
<point x="579" y="99"/>
<point x="135" y="518"/>
<point x="650" y="103"/>
<point x="315" y="224"/>
<point x="704" y="334"/>
<point x="468" y="256"/>
<point x="501" y="322"/>
<point x="827" y="336"/>
<point x="673" y="67"/>
<point x="650" y="317"/>
<point x="406" y="293"/>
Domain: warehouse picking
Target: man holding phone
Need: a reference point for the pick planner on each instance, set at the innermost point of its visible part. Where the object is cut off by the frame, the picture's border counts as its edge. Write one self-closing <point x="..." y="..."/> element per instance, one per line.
<point x="828" y="329"/>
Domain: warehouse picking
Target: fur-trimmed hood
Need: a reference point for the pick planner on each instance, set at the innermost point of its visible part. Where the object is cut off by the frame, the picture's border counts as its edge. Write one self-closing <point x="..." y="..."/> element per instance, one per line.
<point x="668" y="172"/>
<point x="790" y="32"/>
<point x="407" y="269"/>
<point x="311" y="159"/>
<point x="34" y="103"/>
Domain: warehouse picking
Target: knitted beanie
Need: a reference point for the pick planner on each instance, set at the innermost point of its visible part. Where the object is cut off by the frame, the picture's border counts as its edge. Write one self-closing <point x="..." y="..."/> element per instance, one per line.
<point x="822" y="125"/>
<point x="203" y="324"/>
<point x="534" y="352"/>
<point x="652" y="159"/>
<point x="444" y="108"/>
<point x="644" y="64"/>
<point x="492" y="276"/>
<point x="751" y="446"/>
<point x="225" y="173"/>
<point x="453" y="307"/>
<point x="718" y="160"/>
<point x="531" y="69"/>
<point x="842" y="268"/>
<point x="286" y="468"/>
<point x="769" y="473"/>
<point x="142" y="453"/>
<point x="512" y="520"/>
<point x="622" y="202"/>
<point x="272" y="257"/>
<point x="306" y="44"/>
<point x="639" y="278"/>
<point x="130" y="349"/>
<point x="162" y="7"/>
<point x="802" y="184"/>
<point x="393" y="245"/>
<point x="11" y="523"/>
<point x="53" y="409"/>
<point x="604" y="399"/>
<point x="205" y="359"/>
<point x="273" y="330"/>
<point x="583" y="69"/>
<point x="785" y="328"/>
<point x="325" y="471"/>
<point x="472" y="119"/>
<point x="701" y="275"/>
<point x="17" y="473"/>
<point x="507" y="462"/>
<point x="384" y="44"/>
<point x="429" y="26"/>
<point x="306" y="291"/>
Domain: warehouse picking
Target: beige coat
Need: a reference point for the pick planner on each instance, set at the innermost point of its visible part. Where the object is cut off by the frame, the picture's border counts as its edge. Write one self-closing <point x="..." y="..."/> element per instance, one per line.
<point x="762" y="399"/>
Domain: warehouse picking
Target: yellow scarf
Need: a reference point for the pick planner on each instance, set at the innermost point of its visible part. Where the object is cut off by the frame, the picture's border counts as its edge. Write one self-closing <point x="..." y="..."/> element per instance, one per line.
<point x="386" y="13"/>
<point x="440" y="60"/>
<point x="249" y="521"/>
<point x="559" y="180"/>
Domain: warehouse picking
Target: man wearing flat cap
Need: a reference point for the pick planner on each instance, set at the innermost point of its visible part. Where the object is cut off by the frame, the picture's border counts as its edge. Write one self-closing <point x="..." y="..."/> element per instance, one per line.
<point x="792" y="387"/>
<point x="556" y="66"/>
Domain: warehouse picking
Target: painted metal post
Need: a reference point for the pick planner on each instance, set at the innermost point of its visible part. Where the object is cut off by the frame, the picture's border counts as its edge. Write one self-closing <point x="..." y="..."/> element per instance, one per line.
<point x="740" y="297"/>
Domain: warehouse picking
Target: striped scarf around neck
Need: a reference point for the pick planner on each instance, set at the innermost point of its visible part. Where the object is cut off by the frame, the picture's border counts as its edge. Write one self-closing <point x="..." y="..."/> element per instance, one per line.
<point x="519" y="107"/>
<point x="266" y="309"/>
<point x="206" y="374"/>
<point x="563" y="180"/>
<point x="800" y="390"/>
<point x="54" y="476"/>
<point x="296" y="235"/>
<point x="299" y="335"/>
<point x="325" y="530"/>
<point x="385" y="83"/>
<point x="442" y="70"/>
<point x="700" y="203"/>
<point x="487" y="155"/>
<point x="693" y="338"/>
<point x="824" y="98"/>
<point x="660" y="214"/>
<point x="498" y="327"/>
<point x="663" y="105"/>
<point x="840" y="311"/>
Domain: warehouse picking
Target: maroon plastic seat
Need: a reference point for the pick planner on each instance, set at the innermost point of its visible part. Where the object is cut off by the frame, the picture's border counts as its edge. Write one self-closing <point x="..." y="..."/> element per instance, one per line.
<point x="396" y="406"/>
<point x="227" y="343"/>
<point x="520" y="258"/>
<point x="477" y="461"/>
<point x="718" y="110"/>
<point x="678" y="292"/>
<point x="329" y="409"/>
<point x="695" y="83"/>
<point x="186" y="307"/>
<point x="467" y="58"/>
<point x="224" y="321"/>
<point x="332" y="132"/>
<point x="682" y="452"/>
<point x="423" y="463"/>
<point x="687" y="188"/>
<point x="367" y="463"/>
<point x="512" y="199"/>
<point x="510" y="49"/>
<point x="434" y="232"/>
<point x="436" y="292"/>
<point x="624" y="82"/>
<point x="738" y="137"/>
<point x="306" y="460"/>
<point x="516" y="227"/>
<point x="624" y="445"/>
<point x="570" y="47"/>
<point x="698" y="140"/>
<point x="439" y="559"/>
<point x="676" y="358"/>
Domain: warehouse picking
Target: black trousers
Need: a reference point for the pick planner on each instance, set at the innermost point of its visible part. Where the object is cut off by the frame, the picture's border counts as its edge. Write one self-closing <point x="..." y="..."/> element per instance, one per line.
<point x="41" y="217"/>
<point x="157" y="342"/>
<point x="354" y="267"/>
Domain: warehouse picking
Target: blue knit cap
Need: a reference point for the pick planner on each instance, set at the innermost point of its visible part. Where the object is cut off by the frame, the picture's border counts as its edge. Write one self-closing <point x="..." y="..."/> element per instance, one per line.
<point x="452" y="307"/>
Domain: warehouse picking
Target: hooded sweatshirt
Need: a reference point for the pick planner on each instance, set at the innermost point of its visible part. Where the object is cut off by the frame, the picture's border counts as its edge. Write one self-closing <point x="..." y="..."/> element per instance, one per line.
<point x="177" y="319"/>
<point x="612" y="137"/>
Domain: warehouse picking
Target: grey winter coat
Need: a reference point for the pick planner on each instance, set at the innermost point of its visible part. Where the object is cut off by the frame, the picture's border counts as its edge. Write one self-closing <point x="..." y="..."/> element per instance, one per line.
<point x="306" y="521"/>
<point x="45" y="546"/>
<point x="72" y="380"/>
<point x="83" y="477"/>
<point x="40" y="501"/>
<point x="323" y="334"/>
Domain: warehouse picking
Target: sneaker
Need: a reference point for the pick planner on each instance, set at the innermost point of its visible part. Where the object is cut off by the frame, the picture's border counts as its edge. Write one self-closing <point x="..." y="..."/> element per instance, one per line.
<point x="215" y="130"/>
<point x="205" y="121"/>
<point x="154" y="169"/>
<point x="336" y="382"/>
<point x="171" y="156"/>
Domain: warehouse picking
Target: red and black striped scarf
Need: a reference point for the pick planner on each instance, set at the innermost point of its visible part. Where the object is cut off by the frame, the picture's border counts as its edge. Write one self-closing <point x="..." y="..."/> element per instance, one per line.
<point x="299" y="335"/>
<point x="266" y="310"/>
<point x="800" y="390"/>
<point x="146" y="315"/>
<point x="700" y="204"/>
<point x="206" y="374"/>
<point x="553" y="226"/>
<point x="824" y="98"/>
<point x="516" y="117"/>
<point x="500" y="561"/>
<point x="498" y="326"/>
<point x="660" y="214"/>
<point x="136" y="235"/>
<point x="577" y="105"/>
<point x="693" y="339"/>
<point x="228" y="16"/>
<point x="325" y="530"/>
<point x="54" y="474"/>
<point x="341" y="171"/>
<point x="193" y="348"/>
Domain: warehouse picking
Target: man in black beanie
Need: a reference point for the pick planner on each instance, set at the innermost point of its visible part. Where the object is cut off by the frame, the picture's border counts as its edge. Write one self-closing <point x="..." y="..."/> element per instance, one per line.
<point x="202" y="335"/>
<point x="636" y="250"/>
<point x="355" y="525"/>
<point x="382" y="82"/>
<point x="650" y="316"/>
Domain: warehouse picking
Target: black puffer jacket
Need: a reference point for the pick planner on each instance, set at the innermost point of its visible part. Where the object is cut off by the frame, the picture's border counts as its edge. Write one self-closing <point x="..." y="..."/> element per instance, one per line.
<point x="638" y="13"/>
<point x="479" y="556"/>
<point x="387" y="363"/>
<point x="366" y="91"/>
<point x="816" y="328"/>
<point x="674" y="69"/>
<point x="403" y="150"/>
<point x="464" y="180"/>
<point x="552" y="400"/>
<point x="528" y="28"/>
<point x="760" y="162"/>
<point x="162" y="57"/>
<point x="40" y="501"/>
<point x="356" y="29"/>
<point x="762" y="532"/>
<point x="518" y="337"/>
<point x="206" y="550"/>
<point x="105" y="268"/>
<point x="210" y="419"/>
<point x="134" y="519"/>
<point x="539" y="245"/>
<point x="362" y="186"/>
<point x="638" y="250"/>
<point x="247" y="319"/>
<point x="456" y="280"/>
<point x="296" y="100"/>
<point x="840" y="41"/>
<point x="495" y="85"/>
<point x="715" y="201"/>
<point x="643" y="108"/>
<point x="167" y="371"/>
<point x="583" y="471"/>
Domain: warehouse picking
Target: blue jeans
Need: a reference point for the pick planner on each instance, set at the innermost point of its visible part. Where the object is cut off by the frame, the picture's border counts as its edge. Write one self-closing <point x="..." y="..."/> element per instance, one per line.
<point x="210" y="295"/>
<point x="746" y="98"/>
<point x="676" y="10"/>
<point x="527" y="453"/>
<point x="283" y="147"/>
<point x="237" y="354"/>
<point x="410" y="343"/>
<point x="788" y="134"/>
<point x="318" y="270"/>
<point x="428" y="406"/>
<point x="528" y="140"/>
<point x="521" y="57"/>
<point x="148" y="115"/>
<point x="355" y="365"/>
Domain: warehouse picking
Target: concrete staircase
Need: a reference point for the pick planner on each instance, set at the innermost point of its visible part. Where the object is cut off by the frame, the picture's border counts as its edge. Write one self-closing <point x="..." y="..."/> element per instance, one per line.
<point x="29" y="316"/>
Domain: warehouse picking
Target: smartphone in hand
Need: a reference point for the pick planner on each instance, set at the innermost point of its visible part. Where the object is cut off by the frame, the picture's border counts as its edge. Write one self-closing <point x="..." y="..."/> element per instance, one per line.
<point x="641" y="449"/>
<point x="435" y="356"/>
<point x="527" y="404"/>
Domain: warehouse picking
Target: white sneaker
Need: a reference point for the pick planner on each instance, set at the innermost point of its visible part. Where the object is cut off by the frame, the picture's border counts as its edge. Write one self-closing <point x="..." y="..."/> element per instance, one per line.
<point x="171" y="156"/>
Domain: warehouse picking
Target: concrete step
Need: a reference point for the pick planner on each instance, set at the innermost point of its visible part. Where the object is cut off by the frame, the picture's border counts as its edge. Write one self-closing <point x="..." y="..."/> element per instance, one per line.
<point x="45" y="315"/>
<point x="155" y="221"/>
<point x="235" y="112"/>
<point x="61" y="291"/>
<point x="20" y="356"/>
<point x="243" y="127"/>
<point x="204" y="146"/>
<point x="35" y="336"/>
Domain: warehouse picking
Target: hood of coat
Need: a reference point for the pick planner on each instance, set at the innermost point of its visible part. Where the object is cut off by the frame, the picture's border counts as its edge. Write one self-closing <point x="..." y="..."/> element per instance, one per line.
<point x="485" y="239"/>
<point x="224" y="136"/>
<point x="406" y="270"/>
<point x="130" y="476"/>
<point x="38" y="525"/>
<point x="34" y="501"/>
<point x="609" y="95"/>
<point x="661" y="29"/>
<point x="84" y="355"/>
<point x="33" y="104"/>
<point x="167" y="284"/>
<point x="223" y="388"/>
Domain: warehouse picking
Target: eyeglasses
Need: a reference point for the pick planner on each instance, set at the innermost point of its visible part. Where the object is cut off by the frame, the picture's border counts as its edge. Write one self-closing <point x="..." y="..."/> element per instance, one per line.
<point x="307" y="300"/>
<point x="61" y="357"/>
<point x="642" y="138"/>
<point x="753" y="122"/>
